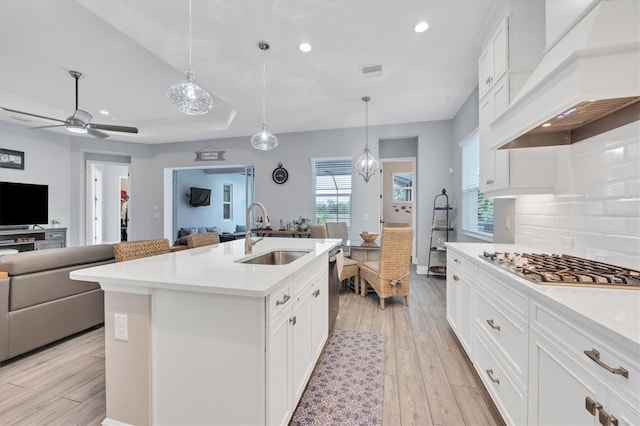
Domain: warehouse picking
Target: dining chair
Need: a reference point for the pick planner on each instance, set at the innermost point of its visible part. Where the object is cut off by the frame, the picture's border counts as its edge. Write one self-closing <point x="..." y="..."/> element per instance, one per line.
<point x="389" y="276"/>
<point x="138" y="249"/>
<point x="318" y="231"/>
<point x="339" y="230"/>
<point x="203" y="239"/>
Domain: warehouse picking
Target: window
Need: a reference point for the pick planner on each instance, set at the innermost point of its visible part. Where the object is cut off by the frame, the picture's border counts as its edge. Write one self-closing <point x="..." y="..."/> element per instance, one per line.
<point x="477" y="209"/>
<point x="332" y="190"/>
<point x="227" y="197"/>
<point x="403" y="187"/>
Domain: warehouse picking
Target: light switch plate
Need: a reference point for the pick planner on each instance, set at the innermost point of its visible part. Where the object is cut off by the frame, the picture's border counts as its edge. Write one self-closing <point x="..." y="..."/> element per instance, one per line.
<point x="120" y="328"/>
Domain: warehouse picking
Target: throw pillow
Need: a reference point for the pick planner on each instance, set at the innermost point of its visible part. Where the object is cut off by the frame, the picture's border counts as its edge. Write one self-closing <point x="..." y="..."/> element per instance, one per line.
<point x="241" y="228"/>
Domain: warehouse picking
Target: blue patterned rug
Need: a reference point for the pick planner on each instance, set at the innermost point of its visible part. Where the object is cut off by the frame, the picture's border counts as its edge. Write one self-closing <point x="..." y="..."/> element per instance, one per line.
<point x="347" y="385"/>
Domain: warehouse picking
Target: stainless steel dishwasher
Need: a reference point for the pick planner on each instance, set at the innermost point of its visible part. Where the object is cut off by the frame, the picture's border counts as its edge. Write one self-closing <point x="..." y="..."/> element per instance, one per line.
<point x="334" y="287"/>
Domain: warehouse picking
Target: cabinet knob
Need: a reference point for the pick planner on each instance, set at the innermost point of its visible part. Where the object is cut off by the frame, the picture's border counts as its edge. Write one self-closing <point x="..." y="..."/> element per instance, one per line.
<point x="605" y="418"/>
<point x="316" y="293"/>
<point x="591" y="406"/>
<point x="292" y="320"/>
<point x="456" y="278"/>
<point x="456" y="260"/>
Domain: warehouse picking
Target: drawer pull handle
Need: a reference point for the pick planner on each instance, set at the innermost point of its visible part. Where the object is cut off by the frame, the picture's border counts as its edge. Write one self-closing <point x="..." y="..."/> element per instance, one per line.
<point x="591" y="406"/>
<point x="456" y="260"/>
<point x="456" y="278"/>
<point x="316" y="293"/>
<point x="595" y="357"/>
<point x="292" y="320"/>
<point x="492" y="325"/>
<point x="490" y="374"/>
<point x="605" y="418"/>
<point x="284" y="300"/>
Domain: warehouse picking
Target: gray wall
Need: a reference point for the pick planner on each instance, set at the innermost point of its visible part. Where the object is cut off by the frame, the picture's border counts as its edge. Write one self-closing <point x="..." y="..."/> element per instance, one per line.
<point x="59" y="160"/>
<point x="399" y="148"/>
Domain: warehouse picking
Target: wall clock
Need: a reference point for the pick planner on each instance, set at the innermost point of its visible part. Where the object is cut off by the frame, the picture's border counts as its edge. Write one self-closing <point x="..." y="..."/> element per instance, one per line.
<point x="280" y="174"/>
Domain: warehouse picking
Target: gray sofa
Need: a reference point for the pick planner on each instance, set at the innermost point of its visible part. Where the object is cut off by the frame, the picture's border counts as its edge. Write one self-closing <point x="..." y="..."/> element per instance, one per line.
<point x="40" y="304"/>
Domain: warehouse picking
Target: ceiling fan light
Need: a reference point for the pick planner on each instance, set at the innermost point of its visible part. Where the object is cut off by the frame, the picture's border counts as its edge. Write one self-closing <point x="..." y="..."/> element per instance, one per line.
<point x="74" y="128"/>
<point x="264" y="140"/>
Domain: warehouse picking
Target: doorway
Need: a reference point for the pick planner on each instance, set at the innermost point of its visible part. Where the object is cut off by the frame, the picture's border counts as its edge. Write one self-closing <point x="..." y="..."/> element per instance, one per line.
<point x="105" y="206"/>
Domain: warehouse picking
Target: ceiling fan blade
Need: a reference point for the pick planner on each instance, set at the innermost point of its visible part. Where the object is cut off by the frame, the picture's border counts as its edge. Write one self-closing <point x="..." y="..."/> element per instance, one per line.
<point x="97" y="133"/>
<point x="32" y="115"/>
<point x="112" y="128"/>
<point x="46" y="127"/>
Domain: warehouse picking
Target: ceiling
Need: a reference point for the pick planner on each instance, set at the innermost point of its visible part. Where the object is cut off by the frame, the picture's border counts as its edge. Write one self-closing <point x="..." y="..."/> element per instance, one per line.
<point x="132" y="51"/>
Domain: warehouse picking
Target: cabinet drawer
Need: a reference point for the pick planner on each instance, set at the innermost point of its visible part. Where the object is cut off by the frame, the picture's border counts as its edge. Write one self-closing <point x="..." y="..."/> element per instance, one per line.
<point x="575" y="339"/>
<point x="54" y="235"/>
<point x="508" y="396"/>
<point x="309" y="273"/>
<point x="461" y="264"/>
<point x="278" y="301"/>
<point x="507" y="331"/>
<point x="517" y="301"/>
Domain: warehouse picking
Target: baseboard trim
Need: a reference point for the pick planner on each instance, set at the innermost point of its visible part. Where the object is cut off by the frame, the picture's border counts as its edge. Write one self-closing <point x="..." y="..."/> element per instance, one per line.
<point x="422" y="270"/>
<point x="112" y="422"/>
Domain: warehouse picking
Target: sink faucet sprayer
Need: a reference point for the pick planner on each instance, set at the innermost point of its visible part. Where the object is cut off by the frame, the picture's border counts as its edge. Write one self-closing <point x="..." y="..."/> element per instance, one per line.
<point x="249" y="242"/>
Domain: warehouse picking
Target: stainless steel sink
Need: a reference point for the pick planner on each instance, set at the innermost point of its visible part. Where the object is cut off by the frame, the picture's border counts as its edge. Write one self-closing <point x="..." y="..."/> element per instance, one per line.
<point x="275" y="257"/>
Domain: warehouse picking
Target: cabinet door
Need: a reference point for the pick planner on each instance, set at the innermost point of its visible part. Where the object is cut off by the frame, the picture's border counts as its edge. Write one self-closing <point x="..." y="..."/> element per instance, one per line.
<point x="452" y="296"/>
<point x="500" y="49"/>
<point x="464" y="308"/>
<point x="494" y="163"/>
<point x="279" y="371"/>
<point x="622" y="412"/>
<point x="319" y="316"/>
<point x="301" y="341"/>
<point x="559" y="389"/>
<point x="485" y="71"/>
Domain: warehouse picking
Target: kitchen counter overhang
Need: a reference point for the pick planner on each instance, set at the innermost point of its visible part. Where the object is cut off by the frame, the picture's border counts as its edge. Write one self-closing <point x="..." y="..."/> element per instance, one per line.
<point x="210" y="269"/>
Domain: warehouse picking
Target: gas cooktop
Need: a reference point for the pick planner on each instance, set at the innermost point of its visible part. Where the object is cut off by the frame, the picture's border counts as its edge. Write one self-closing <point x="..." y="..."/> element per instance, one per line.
<point x="562" y="269"/>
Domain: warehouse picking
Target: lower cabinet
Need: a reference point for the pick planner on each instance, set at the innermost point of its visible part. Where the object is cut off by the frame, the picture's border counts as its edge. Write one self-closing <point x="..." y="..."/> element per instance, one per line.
<point x="295" y="337"/>
<point x="539" y="364"/>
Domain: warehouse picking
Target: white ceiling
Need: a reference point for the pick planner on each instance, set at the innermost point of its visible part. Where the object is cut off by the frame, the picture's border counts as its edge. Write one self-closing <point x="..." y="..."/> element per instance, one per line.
<point x="132" y="51"/>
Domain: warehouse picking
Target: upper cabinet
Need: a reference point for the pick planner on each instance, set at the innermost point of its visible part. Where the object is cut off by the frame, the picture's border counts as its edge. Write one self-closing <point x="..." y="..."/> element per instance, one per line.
<point x="509" y="54"/>
<point x="494" y="58"/>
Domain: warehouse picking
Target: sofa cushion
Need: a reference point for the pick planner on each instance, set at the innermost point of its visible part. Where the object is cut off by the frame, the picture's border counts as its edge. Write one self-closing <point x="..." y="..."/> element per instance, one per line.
<point x="183" y="232"/>
<point x="241" y="228"/>
<point x="46" y="286"/>
<point x="43" y="260"/>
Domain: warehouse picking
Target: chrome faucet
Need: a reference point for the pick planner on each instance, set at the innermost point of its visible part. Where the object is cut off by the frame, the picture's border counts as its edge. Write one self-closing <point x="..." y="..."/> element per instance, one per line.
<point x="248" y="241"/>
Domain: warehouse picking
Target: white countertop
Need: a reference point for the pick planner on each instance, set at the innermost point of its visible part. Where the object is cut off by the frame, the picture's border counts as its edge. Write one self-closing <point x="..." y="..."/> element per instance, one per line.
<point x="208" y="269"/>
<point x="613" y="312"/>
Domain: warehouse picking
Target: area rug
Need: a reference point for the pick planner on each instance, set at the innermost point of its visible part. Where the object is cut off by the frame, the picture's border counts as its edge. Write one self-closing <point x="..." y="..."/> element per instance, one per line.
<point x="347" y="385"/>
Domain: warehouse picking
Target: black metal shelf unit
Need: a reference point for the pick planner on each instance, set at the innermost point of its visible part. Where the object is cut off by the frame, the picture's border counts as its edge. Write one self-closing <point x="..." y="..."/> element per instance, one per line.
<point x="440" y="228"/>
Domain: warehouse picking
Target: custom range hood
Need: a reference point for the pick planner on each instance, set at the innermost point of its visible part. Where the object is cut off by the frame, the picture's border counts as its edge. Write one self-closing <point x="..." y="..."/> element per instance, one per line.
<point x="587" y="83"/>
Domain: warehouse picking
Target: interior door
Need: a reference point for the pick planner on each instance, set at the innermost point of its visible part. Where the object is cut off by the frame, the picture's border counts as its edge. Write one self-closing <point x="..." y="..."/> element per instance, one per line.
<point x="399" y="195"/>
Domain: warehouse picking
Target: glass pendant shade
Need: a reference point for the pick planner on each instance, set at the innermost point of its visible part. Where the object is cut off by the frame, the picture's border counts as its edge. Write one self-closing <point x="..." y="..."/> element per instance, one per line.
<point x="263" y="140"/>
<point x="366" y="165"/>
<point x="189" y="98"/>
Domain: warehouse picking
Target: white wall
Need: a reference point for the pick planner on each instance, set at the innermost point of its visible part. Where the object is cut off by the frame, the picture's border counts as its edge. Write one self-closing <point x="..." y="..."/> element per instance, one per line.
<point x="595" y="212"/>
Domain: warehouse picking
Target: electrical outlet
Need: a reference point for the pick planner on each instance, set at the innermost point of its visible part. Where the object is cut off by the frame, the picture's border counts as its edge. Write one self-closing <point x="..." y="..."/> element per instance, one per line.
<point x="120" y="328"/>
<point x="366" y="216"/>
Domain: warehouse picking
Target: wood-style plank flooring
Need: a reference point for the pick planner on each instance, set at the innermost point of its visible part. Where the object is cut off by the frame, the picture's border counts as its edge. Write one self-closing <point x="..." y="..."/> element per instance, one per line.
<point x="428" y="378"/>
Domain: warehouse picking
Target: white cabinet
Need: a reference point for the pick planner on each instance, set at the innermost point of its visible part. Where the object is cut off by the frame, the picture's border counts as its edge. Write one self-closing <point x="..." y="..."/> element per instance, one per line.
<point x="579" y="376"/>
<point x="494" y="59"/>
<point x="494" y="164"/>
<point x="459" y="293"/>
<point x="298" y="330"/>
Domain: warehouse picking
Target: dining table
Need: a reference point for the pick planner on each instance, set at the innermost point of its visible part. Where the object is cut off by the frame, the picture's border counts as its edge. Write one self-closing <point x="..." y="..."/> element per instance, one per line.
<point x="362" y="251"/>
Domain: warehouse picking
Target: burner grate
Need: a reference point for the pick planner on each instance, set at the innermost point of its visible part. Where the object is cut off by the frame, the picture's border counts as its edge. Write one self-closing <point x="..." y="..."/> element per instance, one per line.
<point x="566" y="270"/>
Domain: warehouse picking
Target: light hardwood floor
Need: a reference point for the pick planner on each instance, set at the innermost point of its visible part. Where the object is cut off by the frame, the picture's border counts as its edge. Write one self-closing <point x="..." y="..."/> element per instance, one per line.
<point x="428" y="378"/>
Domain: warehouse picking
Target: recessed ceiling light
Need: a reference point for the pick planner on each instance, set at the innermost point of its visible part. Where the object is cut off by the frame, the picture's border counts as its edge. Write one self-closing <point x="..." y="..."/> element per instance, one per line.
<point x="104" y="112"/>
<point x="304" y="47"/>
<point x="421" y="27"/>
<point x="546" y="125"/>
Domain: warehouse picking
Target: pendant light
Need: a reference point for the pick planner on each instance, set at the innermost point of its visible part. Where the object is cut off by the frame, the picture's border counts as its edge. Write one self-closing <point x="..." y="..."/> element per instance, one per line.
<point x="186" y="96"/>
<point x="263" y="140"/>
<point x="366" y="165"/>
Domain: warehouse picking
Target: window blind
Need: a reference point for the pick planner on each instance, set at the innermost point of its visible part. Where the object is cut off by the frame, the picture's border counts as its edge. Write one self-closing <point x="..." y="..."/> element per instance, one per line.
<point x="332" y="190"/>
<point x="476" y="209"/>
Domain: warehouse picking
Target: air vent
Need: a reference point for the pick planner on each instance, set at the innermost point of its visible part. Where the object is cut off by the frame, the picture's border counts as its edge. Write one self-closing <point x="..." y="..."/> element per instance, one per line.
<point x="368" y="71"/>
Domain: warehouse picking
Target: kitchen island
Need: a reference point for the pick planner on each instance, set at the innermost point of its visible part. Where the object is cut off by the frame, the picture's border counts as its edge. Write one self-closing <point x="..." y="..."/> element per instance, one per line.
<point x="198" y="337"/>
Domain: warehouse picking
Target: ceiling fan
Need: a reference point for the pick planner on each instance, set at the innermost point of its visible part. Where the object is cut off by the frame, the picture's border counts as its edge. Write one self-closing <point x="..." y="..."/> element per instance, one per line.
<point x="80" y="121"/>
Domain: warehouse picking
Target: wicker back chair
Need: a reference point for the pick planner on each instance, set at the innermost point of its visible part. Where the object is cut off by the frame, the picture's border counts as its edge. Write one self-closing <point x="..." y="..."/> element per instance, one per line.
<point x="318" y="231"/>
<point x="138" y="249"/>
<point x="350" y="269"/>
<point x="389" y="276"/>
<point x="203" y="239"/>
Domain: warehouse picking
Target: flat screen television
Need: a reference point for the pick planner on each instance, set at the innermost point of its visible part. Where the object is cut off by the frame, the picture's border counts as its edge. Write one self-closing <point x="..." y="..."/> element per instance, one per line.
<point x="199" y="197"/>
<point x="23" y="204"/>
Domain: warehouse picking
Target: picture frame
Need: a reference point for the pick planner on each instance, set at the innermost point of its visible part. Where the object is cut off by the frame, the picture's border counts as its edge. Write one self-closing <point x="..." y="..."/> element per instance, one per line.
<point x="11" y="159"/>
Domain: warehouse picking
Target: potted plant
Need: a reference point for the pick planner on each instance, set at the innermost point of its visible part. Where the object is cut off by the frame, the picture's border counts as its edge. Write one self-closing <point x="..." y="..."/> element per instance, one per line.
<point x="55" y="223"/>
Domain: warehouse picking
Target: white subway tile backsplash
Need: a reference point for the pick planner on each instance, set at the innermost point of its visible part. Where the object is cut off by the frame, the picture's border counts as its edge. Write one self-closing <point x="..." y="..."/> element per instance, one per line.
<point x="597" y="207"/>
